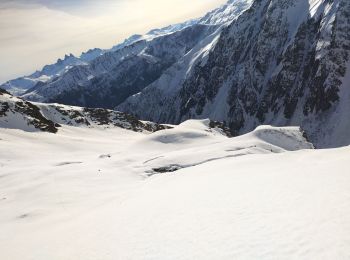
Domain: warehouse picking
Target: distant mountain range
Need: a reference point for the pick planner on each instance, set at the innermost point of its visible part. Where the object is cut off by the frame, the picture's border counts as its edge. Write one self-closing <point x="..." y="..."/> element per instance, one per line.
<point x="247" y="63"/>
<point x="51" y="73"/>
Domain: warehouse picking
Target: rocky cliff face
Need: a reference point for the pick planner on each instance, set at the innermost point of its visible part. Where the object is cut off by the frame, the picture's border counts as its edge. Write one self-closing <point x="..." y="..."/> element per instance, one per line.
<point x="281" y="62"/>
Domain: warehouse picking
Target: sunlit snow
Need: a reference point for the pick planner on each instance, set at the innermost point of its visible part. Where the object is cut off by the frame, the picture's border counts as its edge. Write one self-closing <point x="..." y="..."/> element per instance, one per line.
<point x="184" y="193"/>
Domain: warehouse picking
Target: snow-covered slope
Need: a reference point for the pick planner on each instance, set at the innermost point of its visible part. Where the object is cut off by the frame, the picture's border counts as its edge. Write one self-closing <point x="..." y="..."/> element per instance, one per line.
<point x="97" y="190"/>
<point x="281" y="62"/>
<point x="227" y="13"/>
<point x="16" y="113"/>
<point x="194" y="143"/>
<point x="182" y="193"/>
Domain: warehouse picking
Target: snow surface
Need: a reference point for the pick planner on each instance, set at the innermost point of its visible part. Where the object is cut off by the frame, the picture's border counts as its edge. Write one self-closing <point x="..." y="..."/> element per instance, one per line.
<point x="103" y="194"/>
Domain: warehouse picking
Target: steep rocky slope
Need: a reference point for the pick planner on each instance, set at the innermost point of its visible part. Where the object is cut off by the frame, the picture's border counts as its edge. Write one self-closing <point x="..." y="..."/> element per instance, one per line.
<point x="281" y="62"/>
<point x="16" y="113"/>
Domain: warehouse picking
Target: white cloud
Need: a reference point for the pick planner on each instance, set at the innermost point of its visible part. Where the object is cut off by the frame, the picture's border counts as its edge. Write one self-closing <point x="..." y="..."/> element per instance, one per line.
<point x="37" y="32"/>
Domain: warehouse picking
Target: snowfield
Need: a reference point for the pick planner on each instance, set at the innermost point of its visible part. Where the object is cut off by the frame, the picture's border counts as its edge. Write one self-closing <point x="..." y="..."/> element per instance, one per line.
<point x="183" y="193"/>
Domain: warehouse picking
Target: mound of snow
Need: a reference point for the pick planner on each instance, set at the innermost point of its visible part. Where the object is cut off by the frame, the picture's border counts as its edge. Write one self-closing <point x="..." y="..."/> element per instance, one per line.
<point x="288" y="138"/>
<point x="188" y="132"/>
<point x="195" y="142"/>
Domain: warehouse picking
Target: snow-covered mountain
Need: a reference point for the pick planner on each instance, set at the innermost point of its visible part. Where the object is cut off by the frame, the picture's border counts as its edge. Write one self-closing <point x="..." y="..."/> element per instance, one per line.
<point x="247" y="63"/>
<point x="50" y="73"/>
<point x="111" y="78"/>
<point x="94" y="183"/>
<point x="281" y="62"/>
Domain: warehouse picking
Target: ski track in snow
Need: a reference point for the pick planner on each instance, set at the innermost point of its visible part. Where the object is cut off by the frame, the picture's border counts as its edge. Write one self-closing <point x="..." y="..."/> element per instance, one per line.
<point x="88" y="194"/>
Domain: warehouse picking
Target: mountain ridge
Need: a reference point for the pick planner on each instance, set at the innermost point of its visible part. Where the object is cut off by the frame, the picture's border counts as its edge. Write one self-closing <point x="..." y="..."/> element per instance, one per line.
<point x="16" y="113"/>
<point x="280" y="63"/>
<point x="20" y="85"/>
<point x="248" y="63"/>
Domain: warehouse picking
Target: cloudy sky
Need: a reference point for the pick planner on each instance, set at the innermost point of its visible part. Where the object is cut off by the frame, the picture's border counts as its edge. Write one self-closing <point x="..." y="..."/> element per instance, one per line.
<point x="37" y="32"/>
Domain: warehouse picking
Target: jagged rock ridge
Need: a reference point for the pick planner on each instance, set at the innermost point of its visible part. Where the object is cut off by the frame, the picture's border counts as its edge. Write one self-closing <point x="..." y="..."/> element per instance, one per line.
<point x="16" y="113"/>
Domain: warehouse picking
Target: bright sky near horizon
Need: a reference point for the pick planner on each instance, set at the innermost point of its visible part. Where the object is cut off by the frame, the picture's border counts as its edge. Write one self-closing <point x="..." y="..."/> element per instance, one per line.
<point x="38" y="32"/>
